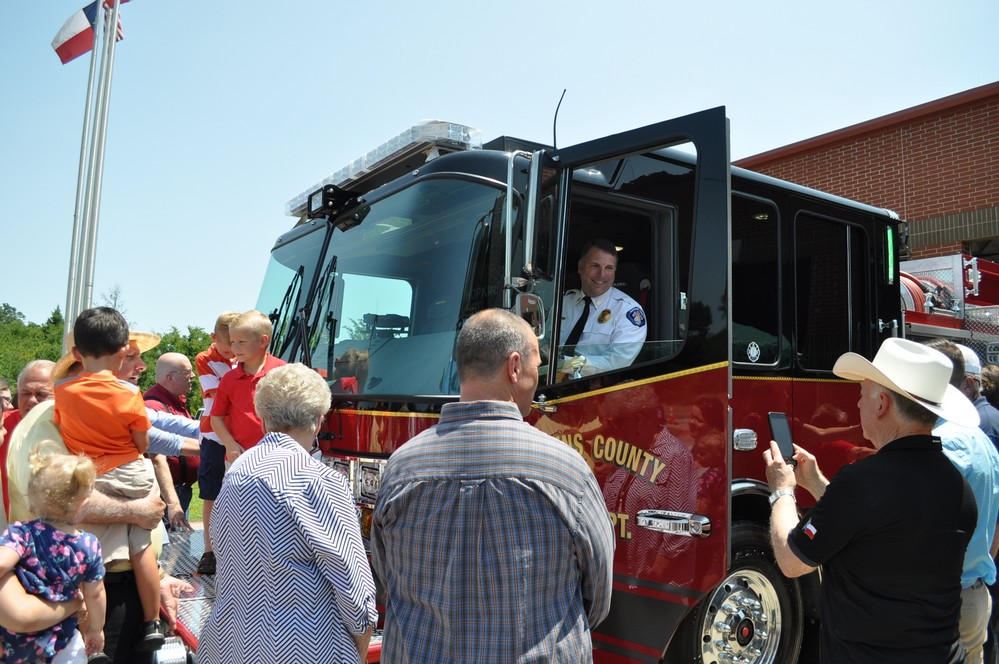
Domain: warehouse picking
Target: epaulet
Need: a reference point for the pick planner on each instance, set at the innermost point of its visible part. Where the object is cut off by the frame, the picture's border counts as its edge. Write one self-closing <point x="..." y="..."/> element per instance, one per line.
<point x="621" y="295"/>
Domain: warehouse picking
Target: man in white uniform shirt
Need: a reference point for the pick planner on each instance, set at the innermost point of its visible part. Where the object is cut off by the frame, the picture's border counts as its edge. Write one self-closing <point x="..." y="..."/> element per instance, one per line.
<point x="599" y="322"/>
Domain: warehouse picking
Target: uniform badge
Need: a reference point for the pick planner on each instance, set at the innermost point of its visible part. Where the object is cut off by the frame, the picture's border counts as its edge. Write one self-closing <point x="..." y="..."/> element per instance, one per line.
<point x="637" y="317"/>
<point x="604" y="316"/>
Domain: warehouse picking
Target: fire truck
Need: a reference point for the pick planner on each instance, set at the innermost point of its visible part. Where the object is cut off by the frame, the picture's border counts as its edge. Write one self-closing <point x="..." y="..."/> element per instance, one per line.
<point x="751" y="288"/>
<point x="953" y="297"/>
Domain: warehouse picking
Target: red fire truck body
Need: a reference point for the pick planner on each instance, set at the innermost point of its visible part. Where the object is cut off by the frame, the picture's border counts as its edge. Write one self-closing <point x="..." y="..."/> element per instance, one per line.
<point x="751" y="287"/>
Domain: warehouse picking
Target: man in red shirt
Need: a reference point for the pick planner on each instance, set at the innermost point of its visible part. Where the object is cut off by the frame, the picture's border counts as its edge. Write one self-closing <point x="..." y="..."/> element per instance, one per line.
<point x="34" y="385"/>
<point x="169" y="394"/>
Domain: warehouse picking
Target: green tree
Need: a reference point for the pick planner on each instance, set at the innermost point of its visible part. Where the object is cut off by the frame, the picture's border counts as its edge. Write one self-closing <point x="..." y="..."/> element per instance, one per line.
<point x="9" y="314"/>
<point x="174" y="341"/>
<point x="22" y="342"/>
<point x="356" y="329"/>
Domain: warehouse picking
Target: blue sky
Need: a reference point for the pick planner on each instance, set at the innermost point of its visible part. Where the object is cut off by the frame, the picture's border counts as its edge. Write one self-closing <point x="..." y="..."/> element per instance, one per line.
<point x="222" y="111"/>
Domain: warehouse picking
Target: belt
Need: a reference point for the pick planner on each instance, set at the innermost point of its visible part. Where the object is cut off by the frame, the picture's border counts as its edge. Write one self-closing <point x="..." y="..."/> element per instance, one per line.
<point x="975" y="586"/>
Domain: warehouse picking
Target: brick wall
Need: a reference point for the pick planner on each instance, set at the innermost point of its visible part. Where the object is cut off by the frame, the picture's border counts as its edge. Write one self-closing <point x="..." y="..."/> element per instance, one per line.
<point x="948" y="249"/>
<point x="938" y="162"/>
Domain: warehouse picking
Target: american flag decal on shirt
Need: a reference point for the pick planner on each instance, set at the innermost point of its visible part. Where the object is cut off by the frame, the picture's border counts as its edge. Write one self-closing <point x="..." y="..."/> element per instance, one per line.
<point x="809" y="529"/>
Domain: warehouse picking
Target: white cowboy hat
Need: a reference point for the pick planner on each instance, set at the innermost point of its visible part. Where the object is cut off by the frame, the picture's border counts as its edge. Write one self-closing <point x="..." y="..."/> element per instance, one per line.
<point x="915" y="371"/>
<point x="144" y="340"/>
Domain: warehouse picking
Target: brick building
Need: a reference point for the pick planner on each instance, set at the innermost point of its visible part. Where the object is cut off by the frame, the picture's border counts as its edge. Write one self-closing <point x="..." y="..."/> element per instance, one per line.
<point x="936" y="165"/>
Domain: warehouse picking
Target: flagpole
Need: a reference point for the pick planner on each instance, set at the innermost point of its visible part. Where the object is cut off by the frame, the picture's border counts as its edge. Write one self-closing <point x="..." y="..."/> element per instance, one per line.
<point x="72" y="295"/>
<point x="97" y="153"/>
<point x="82" y="302"/>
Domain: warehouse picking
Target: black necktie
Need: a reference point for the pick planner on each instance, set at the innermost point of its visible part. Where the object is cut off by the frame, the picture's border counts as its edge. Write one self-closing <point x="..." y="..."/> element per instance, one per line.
<point x="577" y="331"/>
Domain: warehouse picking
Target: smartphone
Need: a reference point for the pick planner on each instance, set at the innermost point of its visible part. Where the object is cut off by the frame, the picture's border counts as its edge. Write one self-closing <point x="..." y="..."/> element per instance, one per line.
<point x="781" y="431"/>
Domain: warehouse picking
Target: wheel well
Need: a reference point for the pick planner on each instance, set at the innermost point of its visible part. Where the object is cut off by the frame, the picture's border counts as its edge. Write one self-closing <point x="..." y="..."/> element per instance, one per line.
<point x="750" y="503"/>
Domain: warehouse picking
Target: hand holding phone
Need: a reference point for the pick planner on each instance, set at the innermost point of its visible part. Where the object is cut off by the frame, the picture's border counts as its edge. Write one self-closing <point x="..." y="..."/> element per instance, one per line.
<point x="781" y="430"/>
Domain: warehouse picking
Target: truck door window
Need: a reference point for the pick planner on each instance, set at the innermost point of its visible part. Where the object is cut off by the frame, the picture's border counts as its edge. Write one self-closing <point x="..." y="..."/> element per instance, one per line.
<point x="758" y="338"/>
<point x="832" y="290"/>
<point x="643" y="205"/>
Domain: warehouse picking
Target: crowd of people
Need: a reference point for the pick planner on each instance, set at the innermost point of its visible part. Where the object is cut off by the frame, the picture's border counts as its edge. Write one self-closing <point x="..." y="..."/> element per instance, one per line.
<point x="491" y="539"/>
<point x="295" y="563"/>
<point x="37" y="443"/>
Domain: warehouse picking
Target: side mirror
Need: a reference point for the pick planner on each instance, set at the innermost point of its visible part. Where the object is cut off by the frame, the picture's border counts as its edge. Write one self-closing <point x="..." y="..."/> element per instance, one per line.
<point x="532" y="309"/>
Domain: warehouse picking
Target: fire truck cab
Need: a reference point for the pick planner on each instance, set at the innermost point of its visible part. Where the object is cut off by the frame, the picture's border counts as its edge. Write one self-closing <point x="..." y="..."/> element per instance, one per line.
<point x="751" y="288"/>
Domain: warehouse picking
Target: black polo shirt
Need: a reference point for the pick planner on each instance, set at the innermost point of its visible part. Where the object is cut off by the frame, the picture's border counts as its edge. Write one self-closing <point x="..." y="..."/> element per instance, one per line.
<point x="890" y="534"/>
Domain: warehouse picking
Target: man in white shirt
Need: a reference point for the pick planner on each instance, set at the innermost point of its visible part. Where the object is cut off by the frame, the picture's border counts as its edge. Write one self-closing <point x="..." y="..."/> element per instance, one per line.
<point x="599" y="322"/>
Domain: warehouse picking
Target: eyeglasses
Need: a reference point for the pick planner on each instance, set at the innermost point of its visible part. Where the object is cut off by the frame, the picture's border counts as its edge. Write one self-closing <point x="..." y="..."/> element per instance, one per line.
<point x="186" y="374"/>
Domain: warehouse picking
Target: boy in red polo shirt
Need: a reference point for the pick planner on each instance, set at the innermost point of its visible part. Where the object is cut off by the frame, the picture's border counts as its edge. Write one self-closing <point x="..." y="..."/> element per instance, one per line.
<point x="233" y="416"/>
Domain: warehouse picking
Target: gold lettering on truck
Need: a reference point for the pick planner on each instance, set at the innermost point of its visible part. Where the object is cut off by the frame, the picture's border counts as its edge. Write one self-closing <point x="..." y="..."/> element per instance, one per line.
<point x="623" y="454"/>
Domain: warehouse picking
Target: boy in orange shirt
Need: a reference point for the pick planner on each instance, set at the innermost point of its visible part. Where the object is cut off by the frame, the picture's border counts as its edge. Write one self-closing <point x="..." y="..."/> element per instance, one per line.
<point x="105" y="419"/>
<point x="212" y="365"/>
<point x="233" y="416"/>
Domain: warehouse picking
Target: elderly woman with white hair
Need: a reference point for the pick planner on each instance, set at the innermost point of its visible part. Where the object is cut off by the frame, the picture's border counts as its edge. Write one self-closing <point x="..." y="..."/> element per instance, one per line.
<point x="293" y="581"/>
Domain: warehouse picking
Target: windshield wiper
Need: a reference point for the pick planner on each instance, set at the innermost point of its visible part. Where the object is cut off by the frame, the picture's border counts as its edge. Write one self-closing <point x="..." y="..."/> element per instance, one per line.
<point x="305" y="329"/>
<point x="330" y="321"/>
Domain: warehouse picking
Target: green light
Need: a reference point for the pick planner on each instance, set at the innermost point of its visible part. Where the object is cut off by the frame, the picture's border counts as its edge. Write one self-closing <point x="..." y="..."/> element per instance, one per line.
<point x="891" y="255"/>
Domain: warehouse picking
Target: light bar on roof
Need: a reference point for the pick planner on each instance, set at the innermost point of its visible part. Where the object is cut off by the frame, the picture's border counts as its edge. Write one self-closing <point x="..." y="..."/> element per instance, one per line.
<point x="425" y="137"/>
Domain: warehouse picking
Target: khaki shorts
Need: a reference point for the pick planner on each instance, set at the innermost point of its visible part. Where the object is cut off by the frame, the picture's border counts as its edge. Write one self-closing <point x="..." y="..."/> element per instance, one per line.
<point x="119" y="541"/>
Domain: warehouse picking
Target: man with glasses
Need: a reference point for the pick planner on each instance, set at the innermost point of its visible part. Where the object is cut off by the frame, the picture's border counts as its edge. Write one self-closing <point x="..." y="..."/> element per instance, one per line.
<point x="173" y="381"/>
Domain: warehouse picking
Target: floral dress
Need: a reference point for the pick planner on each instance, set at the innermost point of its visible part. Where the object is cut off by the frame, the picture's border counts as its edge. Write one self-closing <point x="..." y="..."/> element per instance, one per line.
<point x="53" y="565"/>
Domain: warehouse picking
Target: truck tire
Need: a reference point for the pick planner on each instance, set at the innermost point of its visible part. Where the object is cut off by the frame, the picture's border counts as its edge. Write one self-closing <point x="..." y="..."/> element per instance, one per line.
<point x="754" y="616"/>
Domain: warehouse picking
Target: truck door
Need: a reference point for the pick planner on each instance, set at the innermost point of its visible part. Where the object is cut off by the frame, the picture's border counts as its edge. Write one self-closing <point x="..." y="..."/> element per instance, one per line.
<point x="652" y="418"/>
<point x="845" y="299"/>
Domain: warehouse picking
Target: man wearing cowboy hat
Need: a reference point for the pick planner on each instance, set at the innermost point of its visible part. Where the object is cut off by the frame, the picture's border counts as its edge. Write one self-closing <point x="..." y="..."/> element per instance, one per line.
<point x="890" y="531"/>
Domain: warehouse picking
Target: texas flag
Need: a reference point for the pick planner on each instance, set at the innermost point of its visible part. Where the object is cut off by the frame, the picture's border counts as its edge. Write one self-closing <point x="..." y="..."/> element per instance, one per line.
<point x="76" y="36"/>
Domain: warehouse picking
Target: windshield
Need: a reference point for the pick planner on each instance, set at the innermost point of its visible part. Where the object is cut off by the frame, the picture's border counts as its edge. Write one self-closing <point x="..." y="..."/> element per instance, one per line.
<point x="289" y="277"/>
<point x="393" y="289"/>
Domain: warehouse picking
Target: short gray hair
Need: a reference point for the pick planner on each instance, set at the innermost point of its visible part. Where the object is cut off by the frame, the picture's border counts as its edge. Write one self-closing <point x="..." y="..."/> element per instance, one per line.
<point x="291" y="397"/>
<point x="908" y="409"/>
<point x="487" y="339"/>
<point x="32" y="366"/>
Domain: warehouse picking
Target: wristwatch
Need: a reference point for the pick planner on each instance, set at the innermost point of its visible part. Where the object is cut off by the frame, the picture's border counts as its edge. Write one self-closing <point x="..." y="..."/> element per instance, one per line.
<point x="780" y="493"/>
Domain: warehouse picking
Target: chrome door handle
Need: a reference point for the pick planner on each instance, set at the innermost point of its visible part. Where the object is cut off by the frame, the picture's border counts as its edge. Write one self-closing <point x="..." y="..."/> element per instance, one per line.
<point x="684" y="524"/>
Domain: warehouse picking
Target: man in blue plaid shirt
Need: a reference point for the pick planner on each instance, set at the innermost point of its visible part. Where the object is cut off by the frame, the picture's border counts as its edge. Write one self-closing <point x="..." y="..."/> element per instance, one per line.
<point x="491" y="538"/>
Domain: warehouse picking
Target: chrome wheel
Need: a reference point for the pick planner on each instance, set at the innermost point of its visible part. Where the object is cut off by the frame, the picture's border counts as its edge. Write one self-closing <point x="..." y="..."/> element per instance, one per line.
<point x="742" y="622"/>
<point x="754" y="616"/>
